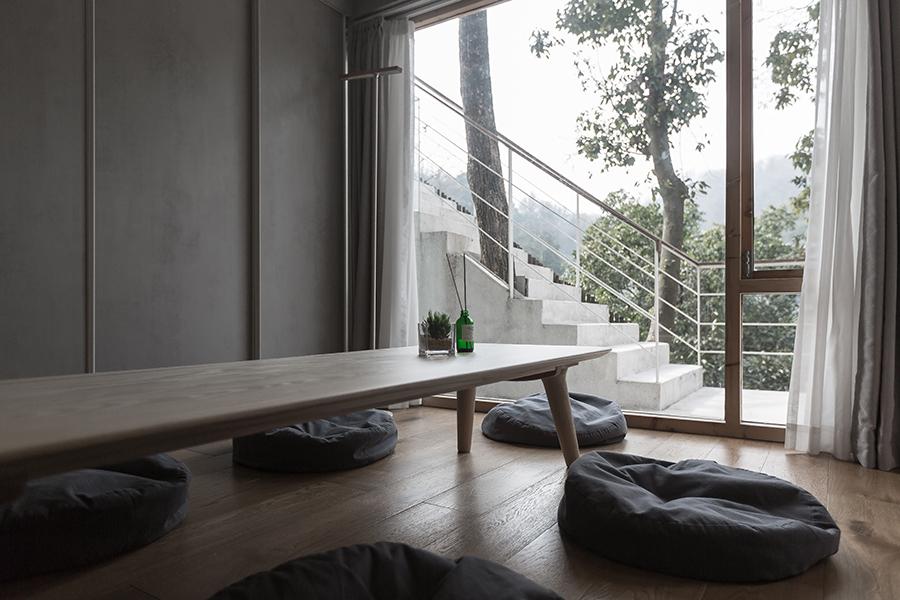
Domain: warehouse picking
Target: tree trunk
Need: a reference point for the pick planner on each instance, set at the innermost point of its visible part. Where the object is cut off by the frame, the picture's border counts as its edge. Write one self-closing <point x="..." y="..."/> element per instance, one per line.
<point x="484" y="168"/>
<point x="672" y="189"/>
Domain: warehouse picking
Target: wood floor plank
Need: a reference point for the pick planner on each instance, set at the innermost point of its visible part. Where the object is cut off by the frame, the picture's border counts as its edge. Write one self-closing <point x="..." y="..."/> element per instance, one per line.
<point x="498" y="502"/>
<point x="683" y="446"/>
<point x="809" y="585"/>
<point x="491" y="489"/>
<point x="556" y="564"/>
<point x="744" y="454"/>
<point x="501" y="532"/>
<point x="861" y="501"/>
<point x="419" y="526"/>
<point x="809" y="472"/>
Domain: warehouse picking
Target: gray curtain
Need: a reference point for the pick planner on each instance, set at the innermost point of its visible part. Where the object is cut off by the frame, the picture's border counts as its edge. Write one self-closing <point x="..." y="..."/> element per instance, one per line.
<point x="876" y="410"/>
<point x="374" y="44"/>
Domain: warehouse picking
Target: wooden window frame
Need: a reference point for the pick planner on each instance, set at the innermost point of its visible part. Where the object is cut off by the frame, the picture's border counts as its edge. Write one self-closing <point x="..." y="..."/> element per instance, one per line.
<point x="739" y="233"/>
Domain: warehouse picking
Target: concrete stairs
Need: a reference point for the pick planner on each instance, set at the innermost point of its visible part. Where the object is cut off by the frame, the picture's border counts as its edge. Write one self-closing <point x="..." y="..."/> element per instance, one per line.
<point x="550" y="313"/>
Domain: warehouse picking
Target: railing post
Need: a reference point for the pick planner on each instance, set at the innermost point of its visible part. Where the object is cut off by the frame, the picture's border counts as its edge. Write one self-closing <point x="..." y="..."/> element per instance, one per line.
<point x="699" y="342"/>
<point x="509" y="224"/>
<point x="418" y="117"/>
<point x="657" y="251"/>
<point x="578" y="246"/>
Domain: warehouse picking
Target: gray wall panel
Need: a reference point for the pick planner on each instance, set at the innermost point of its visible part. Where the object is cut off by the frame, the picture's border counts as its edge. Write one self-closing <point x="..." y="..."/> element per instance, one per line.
<point x="301" y="139"/>
<point x="41" y="187"/>
<point x="172" y="182"/>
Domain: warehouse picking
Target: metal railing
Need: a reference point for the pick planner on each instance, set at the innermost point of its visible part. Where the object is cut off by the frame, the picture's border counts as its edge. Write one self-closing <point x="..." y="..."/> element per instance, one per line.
<point x="639" y="265"/>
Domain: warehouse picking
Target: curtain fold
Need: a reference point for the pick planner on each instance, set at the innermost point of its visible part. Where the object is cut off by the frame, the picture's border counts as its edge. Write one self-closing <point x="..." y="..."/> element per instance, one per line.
<point x="876" y="408"/>
<point x="374" y="44"/>
<point x="825" y="352"/>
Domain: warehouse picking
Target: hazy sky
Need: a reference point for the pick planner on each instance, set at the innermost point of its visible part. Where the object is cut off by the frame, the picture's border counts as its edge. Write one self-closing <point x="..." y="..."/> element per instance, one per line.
<point x="537" y="100"/>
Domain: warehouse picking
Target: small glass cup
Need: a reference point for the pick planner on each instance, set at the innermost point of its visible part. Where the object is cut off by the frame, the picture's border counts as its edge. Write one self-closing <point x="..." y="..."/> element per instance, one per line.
<point x="430" y="347"/>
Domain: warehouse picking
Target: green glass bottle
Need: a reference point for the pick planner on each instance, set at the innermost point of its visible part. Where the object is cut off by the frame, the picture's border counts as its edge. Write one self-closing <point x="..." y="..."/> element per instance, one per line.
<point x="465" y="332"/>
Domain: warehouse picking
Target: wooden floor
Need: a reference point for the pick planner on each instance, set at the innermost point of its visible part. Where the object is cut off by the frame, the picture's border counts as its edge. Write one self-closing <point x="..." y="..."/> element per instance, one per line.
<point x="498" y="502"/>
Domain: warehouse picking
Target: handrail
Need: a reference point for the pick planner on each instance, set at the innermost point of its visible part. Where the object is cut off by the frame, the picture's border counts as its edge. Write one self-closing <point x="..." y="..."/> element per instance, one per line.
<point x="539" y="203"/>
<point x="512" y="258"/>
<point x="616" y="257"/>
<point x="475" y="196"/>
<point x="530" y="197"/>
<point x="440" y="97"/>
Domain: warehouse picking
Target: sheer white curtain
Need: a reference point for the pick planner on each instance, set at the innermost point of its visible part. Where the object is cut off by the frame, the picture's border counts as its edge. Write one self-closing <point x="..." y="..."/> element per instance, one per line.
<point x="822" y="380"/>
<point x="399" y="299"/>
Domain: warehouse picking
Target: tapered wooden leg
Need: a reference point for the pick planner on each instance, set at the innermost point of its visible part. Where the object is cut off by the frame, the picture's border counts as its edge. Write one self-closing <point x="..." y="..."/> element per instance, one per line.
<point x="561" y="408"/>
<point x="465" y="419"/>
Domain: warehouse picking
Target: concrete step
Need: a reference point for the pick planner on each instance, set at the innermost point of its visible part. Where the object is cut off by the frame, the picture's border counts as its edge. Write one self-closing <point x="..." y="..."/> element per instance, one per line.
<point x="623" y="361"/>
<point x="533" y="271"/>
<point x="589" y="334"/>
<point x="546" y="290"/>
<point x="637" y="358"/>
<point x="572" y="311"/>
<point x="642" y="391"/>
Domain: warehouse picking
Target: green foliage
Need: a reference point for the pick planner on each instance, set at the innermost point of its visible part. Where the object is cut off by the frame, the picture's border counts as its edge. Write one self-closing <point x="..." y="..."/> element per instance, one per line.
<point x="792" y="63"/>
<point x="791" y="58"/>
<point x="635" y="92"/>
<point x="618" y="271"/>
<point x="437" y="325"/>
<point x="653" y="89"/>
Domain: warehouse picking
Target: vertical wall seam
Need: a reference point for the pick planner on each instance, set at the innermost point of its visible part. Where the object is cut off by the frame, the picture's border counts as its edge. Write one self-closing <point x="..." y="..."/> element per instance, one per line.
<point x="255" y="222"/>
<point x="346" y="183"/>
<point x="90" y="241"/>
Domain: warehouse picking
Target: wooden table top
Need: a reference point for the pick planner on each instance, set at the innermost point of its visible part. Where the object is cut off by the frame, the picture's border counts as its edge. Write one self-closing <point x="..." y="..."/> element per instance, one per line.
<point x="54" y="424"/>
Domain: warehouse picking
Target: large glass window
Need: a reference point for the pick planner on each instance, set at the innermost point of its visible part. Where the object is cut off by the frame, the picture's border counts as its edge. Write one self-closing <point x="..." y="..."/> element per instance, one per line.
<point x="768" y="329"/>
<point x="580" y="155"/>
<point x="785" y="37"/>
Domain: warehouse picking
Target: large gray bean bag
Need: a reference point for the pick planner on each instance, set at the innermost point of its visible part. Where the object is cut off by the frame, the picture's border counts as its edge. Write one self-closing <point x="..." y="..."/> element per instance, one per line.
<point x="528" y="421"/>
<point x="694" y="518"/>
<point x="82" y="517"/>
<point x="332" y="444"/>
<point x="386" y="571"/>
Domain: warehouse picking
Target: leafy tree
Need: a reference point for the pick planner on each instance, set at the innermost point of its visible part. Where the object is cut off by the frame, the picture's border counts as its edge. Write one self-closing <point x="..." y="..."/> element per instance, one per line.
<point x="792" y="63"/>
<point x="653" y="90"/>
<point x="484" y="167"/>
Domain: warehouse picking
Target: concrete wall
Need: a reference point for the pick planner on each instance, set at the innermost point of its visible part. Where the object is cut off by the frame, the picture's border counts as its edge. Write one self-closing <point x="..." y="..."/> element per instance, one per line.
<point x="173" y="88"/>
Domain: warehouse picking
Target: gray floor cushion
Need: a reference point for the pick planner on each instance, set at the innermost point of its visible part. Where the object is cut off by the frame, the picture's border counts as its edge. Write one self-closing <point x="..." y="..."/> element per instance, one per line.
<point x="694" y="518"/>
<point x="528" y="421"/>
<point x="332" y="444"/>
<point x="386" y="571"/>
<point x="86" y="516"/>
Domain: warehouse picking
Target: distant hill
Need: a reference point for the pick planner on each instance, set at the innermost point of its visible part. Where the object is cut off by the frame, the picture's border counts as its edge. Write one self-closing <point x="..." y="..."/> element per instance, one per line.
<point x="772" y="181"/>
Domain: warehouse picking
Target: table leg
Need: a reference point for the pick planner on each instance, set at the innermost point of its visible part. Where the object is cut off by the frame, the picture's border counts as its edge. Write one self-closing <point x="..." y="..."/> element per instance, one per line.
<point x="465" y="419"/>
<point x="561" y="409"/>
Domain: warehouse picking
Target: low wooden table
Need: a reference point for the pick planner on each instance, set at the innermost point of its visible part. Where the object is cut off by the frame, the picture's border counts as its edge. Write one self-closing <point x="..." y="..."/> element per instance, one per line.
<point x="54" y="424"/>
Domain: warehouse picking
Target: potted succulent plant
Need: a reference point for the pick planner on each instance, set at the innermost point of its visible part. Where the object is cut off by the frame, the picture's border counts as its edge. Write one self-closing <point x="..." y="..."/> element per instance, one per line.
<point x="436" y="335"/>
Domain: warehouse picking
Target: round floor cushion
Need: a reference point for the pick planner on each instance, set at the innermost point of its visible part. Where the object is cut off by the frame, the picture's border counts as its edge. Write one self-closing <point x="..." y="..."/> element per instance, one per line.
<point x="82" y="517"/>
<point x="528" y="421"/>
<point x="694" y="518"/>
<point x="332" y="444"/>
<point x="386" y="571"/>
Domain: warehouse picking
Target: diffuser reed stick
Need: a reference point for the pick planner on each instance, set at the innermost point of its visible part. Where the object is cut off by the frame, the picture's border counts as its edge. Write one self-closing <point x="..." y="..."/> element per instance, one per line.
<point x="465" y="287"/>
<point x="453" y="279"/>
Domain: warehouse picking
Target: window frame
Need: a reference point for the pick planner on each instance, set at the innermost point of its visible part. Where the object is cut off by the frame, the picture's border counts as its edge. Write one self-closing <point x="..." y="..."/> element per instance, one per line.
<point x="741" y="275"/>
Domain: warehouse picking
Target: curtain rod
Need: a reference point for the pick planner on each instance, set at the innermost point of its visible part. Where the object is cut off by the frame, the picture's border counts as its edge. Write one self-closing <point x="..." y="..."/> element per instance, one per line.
<point x="403" y="8"/>
<point x="372" y="73"/>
